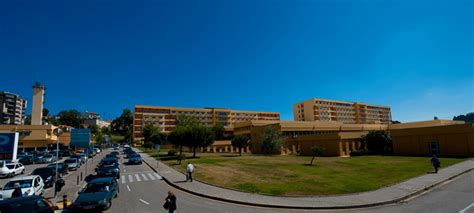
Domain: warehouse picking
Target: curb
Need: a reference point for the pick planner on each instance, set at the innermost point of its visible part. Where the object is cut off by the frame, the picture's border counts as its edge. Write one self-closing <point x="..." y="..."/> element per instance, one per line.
<point x="312" y="207"/>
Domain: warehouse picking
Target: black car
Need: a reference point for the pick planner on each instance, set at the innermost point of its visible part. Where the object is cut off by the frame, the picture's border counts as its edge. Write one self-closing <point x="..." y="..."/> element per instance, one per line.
<point x="48" y="175"/>
<point x="34" y="204"/>
<point x="97" y="195"/>
<point x="112" y="170"/>
<point x="62" y="168"/>
<point x="26" y="160"/>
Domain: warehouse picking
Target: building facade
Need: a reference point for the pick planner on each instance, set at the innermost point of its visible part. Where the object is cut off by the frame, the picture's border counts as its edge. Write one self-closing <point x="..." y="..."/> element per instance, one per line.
<point x="12" y="109"/>
<point x="317" y="109"/>
<point x="165" y="117"/>
<point x="338" y="138"/>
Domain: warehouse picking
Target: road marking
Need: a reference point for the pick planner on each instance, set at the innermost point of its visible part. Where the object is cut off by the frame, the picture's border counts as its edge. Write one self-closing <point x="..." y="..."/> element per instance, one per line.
<point x="144" y="177"/>
<point x="128" y="187"/>
<point x="123" y="178"/>
<point x="465" y="209"/>
<point x="130" y="178"/>
<point x="137" y="177"/>
<point x="151" y="176"/>
<point x="157" y="176"/>
<point x="144" y="202"/>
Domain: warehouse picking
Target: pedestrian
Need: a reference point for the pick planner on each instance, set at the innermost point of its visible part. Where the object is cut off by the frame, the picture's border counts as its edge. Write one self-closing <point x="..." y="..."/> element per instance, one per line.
<point x="190" y="170"/>
<point x="17" y="191"/>
<point x="170" y="203"/>
<point x="436" y="163"/>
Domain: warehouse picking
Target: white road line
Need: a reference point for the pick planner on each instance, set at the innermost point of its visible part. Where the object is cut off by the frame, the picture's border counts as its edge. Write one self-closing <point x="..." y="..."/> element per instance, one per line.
<point x="137" y="177"/>
<point x="123" y="178"/>
<point x="144" y="202"/>
<point x="467" y="208"/>
<point x="157" y="176"/>
<point x="128" y="188"/>
<point x="144" y="177"/>
<point x="130" y="178"/>
<point x="151" y="176"/>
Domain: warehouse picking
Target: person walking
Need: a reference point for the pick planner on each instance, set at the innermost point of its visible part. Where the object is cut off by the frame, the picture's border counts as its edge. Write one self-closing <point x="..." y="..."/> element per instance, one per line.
<point x="170" y="203"/>
<point x="436" y="163"/>
<point x="190" y="170"/>
<point x="17" y="191"/>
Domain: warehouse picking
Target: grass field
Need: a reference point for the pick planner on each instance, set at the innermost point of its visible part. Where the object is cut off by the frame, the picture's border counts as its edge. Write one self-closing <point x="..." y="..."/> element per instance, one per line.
<point x="291" y="175"/>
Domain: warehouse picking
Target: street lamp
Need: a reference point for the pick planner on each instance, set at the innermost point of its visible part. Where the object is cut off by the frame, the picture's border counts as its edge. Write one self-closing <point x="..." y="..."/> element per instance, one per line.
<point x="57" y="132"/>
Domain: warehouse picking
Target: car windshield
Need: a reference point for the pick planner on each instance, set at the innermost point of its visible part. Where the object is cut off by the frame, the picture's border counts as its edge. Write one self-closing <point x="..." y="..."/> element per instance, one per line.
<point x="48" y="156"/>
<point x="23" y="184"/>
<point x="70" y="161"/>
<point x="96" y="187"/>
<point x="10" y="166"/>
<point x="2" y="163"/>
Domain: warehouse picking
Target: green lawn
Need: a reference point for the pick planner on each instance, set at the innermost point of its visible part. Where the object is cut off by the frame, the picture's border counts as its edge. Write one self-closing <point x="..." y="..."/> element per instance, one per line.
<point x="290" y="175"/>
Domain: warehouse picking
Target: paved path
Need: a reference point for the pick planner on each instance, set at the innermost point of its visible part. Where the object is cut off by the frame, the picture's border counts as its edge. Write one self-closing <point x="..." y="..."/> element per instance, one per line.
<point x="387" y="195"/>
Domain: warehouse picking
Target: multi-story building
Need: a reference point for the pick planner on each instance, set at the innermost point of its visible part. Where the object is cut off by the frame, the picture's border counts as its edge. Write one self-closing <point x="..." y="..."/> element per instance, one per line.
<point x="317" y="109"/>
<point x="165" y="117"/>
<point x="12" y="109"/>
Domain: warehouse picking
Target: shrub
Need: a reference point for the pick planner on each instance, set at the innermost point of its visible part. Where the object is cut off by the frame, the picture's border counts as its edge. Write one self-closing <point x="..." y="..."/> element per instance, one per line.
<point x="172" y="152"/>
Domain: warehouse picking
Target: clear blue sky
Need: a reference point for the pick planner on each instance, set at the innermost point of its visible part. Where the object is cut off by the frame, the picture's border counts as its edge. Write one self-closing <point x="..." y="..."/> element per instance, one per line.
<point x="415" y="56"/>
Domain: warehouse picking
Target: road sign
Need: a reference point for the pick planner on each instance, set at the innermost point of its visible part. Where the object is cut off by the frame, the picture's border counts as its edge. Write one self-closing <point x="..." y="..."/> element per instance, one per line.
<point x="80" y="137"/>
<point x="8" y="146"/>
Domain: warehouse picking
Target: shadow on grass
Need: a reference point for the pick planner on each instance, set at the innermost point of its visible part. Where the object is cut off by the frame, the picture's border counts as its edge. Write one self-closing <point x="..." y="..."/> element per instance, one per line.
<point x="308" y="164"/>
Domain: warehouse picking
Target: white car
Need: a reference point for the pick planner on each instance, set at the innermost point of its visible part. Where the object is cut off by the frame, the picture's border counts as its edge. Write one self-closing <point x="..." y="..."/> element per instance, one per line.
<point x="11" y="169"/>
<point x="30" y="185"/>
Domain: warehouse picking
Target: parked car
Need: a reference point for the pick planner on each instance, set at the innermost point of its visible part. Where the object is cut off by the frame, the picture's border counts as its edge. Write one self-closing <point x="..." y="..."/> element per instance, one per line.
<point x="26" y="160"/>
<point x="30" y="185"/>
<point x="97" y="150"/>
<point x="72" y="163"/>
<point x="97" y="194"/>
<point x="33" y="204"/>
<point x="79" y="159"/>
<point x="11" y="169"/>
<point x="48" y="158"/>
<point x="83" y="157"/>
<point x="48" y="175"/>
<point x="135" y="159"/>
<point x="62" y="168"/>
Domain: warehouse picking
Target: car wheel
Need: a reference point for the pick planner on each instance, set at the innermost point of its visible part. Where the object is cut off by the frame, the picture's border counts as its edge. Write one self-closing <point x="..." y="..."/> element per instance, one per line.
<point x="109" y="204"/>
<point x="22" y="171"/>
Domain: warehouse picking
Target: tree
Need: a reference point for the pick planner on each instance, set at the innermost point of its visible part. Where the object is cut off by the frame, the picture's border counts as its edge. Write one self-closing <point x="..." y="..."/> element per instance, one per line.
<point x="317" y="151"/>
<point x="188" y="132"/>
<point x="468" y="118"/>
<point x="435" y="118"/>
<point x="241" y="142"/>
<point x="71" y="118"/>
<point x="152" y="134"/>
<point x="396" y="122"/>
<point x="218" y="131"/>
<point x="45" y="112"/>
<point x="94" y="129"/>
<point x="272" y="140"/>
<point x="379" y="141"/>
<point x="148" y="145"/>
<point x="123" y="125"/>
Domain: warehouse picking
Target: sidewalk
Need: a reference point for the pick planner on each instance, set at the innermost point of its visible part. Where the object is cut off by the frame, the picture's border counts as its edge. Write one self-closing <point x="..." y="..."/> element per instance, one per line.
<point x="387" y="195"/>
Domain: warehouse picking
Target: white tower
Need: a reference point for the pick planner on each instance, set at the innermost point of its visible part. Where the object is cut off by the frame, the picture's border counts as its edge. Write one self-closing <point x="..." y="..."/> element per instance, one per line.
<point x="38" y="100"/>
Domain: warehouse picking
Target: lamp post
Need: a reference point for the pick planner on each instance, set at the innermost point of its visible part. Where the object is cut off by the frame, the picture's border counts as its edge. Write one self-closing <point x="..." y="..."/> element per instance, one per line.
<point x="57" y="132"/>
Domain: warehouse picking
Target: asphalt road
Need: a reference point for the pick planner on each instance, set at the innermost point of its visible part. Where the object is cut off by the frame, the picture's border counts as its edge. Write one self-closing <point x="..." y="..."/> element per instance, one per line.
<point x="140" y="193"/>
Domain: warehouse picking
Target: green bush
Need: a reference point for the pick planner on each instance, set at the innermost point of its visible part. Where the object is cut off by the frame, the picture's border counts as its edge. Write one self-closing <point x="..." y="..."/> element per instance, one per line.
<point x="172" y="152"/>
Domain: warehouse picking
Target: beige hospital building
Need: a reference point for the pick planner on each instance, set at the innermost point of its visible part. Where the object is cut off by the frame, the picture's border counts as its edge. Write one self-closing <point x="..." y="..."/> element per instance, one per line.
<point x="165" y="117"/>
